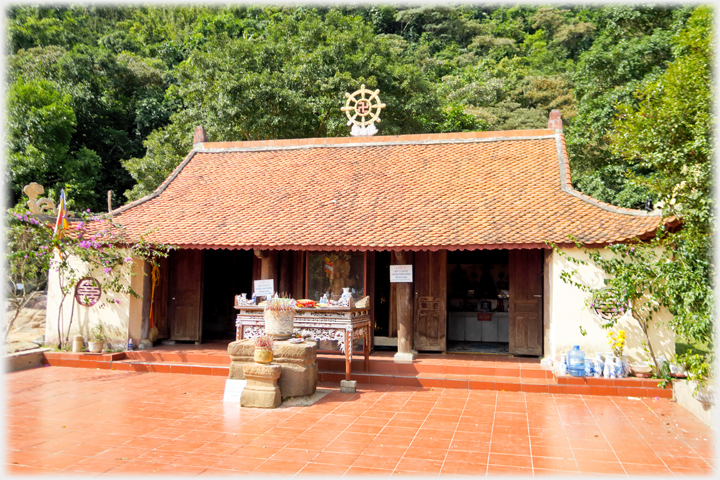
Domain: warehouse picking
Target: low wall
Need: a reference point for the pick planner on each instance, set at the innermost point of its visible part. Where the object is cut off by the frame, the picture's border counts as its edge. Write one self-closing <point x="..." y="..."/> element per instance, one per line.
<point x="24" y="360"/>
<point x="683" y="394"/>
<point x="566" y="312"/>
<point x="120" y="320"/>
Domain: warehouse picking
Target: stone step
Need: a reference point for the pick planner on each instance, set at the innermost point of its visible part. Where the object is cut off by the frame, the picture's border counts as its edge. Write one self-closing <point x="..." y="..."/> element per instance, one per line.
<point x="117" y="361"/>
<point x="624" y="387"/>
<point x="221" y="358"/>
<point x="528" y="377"/>
<point x="387" y="365"/>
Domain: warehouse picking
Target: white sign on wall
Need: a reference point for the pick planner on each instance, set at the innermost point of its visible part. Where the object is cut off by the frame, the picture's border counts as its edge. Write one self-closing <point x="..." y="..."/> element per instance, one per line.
<point x="401" y="274"/>
<point x="263" y="288"/>
<point x="233" y="390"/>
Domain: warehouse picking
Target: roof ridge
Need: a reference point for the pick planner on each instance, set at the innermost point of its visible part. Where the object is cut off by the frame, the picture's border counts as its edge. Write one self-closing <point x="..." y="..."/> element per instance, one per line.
<point x="201" y="147"/>
<point x="159" y="189"/>
<point x="381" y="139"/>
<point x="566" y="185"/>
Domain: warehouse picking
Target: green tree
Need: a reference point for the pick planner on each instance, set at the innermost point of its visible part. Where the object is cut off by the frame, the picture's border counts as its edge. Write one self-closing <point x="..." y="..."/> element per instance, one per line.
<point x="632" y="46"/>
<point x="670" y="133"/>
<point x="41" y="123"/>
<point x="288" y="83"/>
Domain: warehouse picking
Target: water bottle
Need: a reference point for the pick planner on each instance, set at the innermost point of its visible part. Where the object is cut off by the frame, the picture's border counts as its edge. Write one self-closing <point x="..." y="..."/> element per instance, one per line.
<point x="130" y="344"/>
<point x="576" y="362"/>
<point x="254" y="301"/>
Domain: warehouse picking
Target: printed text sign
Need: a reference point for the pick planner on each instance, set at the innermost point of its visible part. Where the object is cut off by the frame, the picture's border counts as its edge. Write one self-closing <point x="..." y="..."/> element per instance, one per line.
<point x="401" y="274"/>
<point x="264" y="288"/>
<point x="233" y="390"/>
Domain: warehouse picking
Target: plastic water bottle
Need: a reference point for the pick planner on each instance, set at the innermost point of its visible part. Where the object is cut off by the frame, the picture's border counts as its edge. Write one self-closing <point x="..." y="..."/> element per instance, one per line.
<point x="576" y="362"/>
<point x="130" y="344"/>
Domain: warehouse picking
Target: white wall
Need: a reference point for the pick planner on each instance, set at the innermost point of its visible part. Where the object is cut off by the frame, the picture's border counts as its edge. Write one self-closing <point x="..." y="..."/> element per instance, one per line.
<point x="567" y="311"/>
<point x="118" y="319"/>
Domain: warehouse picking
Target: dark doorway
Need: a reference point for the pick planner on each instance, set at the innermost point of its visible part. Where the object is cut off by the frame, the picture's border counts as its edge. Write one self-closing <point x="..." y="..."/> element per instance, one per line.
<point x="227" y="273"/>
<point x="478" y="290"/>
<point x="382" y="294"/>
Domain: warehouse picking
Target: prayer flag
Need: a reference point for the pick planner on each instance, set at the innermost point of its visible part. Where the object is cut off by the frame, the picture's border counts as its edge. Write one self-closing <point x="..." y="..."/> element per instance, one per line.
<point x="61" y="223"/>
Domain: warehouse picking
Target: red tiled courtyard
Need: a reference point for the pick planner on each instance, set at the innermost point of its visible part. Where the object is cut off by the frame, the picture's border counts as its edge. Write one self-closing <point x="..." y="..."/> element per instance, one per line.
<point x="75" y="421"/>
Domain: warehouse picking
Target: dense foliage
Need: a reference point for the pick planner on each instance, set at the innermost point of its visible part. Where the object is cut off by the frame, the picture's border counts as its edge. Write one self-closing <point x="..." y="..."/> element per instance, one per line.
<point x="107" y="98"/>
<point x="667" y="132"/>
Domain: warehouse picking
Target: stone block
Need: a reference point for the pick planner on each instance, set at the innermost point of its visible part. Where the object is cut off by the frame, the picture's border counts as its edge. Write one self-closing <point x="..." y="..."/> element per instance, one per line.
<point x="348" y="386"/>
<point x="404" y="357"/>
<point x="261" y="390"/>
<point x="297" y="361"/>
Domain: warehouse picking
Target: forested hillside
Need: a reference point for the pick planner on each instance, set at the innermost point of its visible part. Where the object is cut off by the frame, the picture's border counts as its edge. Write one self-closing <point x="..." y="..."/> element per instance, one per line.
<point x="104" y="98"/>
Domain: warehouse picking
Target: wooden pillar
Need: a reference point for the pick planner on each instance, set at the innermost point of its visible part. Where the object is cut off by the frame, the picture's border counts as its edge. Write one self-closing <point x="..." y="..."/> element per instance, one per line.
<point x="268" y="265"/>
<point x="404" y="311"/>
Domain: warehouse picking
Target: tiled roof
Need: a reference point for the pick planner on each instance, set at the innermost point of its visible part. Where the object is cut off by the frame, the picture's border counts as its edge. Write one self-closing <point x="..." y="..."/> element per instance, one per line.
<point x="454" y="191"/>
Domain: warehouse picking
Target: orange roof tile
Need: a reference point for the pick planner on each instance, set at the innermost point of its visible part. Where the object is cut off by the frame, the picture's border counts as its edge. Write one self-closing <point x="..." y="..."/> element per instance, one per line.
<point x="455" y="191"/>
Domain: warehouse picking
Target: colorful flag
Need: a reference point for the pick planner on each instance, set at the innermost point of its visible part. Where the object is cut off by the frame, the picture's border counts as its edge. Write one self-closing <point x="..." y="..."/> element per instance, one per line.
<point x="328" y="267"/>
<point x="61" y="223"/>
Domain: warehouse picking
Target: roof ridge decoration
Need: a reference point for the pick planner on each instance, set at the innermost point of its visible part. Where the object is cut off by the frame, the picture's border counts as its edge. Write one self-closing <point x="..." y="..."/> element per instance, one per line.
<point x="566" y="186"/>
<point x="363" y="107"/>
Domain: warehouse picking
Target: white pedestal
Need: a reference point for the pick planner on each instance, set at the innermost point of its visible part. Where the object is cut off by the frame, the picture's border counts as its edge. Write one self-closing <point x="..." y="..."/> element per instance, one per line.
<point x="404" y="357"/>
<point x="348" y="386"/>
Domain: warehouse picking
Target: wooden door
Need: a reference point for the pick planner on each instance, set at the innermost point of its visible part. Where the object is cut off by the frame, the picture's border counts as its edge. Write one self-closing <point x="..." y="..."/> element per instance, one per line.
<point x="185" y="295"/>
<point x="526" y="302"/>
<point x="430" y="280"/>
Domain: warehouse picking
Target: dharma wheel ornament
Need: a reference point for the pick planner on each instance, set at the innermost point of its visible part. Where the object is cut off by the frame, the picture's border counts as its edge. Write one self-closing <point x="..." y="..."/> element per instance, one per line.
<point x="363" y="110"/>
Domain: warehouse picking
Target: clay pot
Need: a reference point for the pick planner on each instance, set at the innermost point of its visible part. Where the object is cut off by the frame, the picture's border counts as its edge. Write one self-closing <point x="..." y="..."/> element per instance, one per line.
<point x="95" y="347"/>
<point x="279" y="323"/>
<point x="263" y="355"/>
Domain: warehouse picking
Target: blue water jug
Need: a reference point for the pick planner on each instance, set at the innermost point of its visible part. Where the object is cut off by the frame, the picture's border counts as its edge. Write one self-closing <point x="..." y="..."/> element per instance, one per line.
<point x="576" y="362"/>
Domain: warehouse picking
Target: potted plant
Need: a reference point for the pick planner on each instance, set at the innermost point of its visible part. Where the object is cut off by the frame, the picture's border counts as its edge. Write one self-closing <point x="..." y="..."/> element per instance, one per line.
<point x="677" y="368"/>
<point x="97" y="338"/>
<point x="263" y="349"/>
<point x="618" y="343"/>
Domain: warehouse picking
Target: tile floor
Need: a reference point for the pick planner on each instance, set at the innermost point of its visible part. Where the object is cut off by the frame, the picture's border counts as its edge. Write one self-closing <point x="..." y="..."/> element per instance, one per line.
<point x="81" y="421"/>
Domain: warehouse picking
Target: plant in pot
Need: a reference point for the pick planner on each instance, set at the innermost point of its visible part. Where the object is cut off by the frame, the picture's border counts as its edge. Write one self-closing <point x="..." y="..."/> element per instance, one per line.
<point x="618" y="343"/>
<point x="678" y="368"/>
<point x="263" y="349"/>
<point x="97" y="338"/>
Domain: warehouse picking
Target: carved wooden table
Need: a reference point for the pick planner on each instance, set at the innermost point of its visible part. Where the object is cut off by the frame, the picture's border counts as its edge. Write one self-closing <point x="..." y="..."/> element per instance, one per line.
<point x="341" y="324"/>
